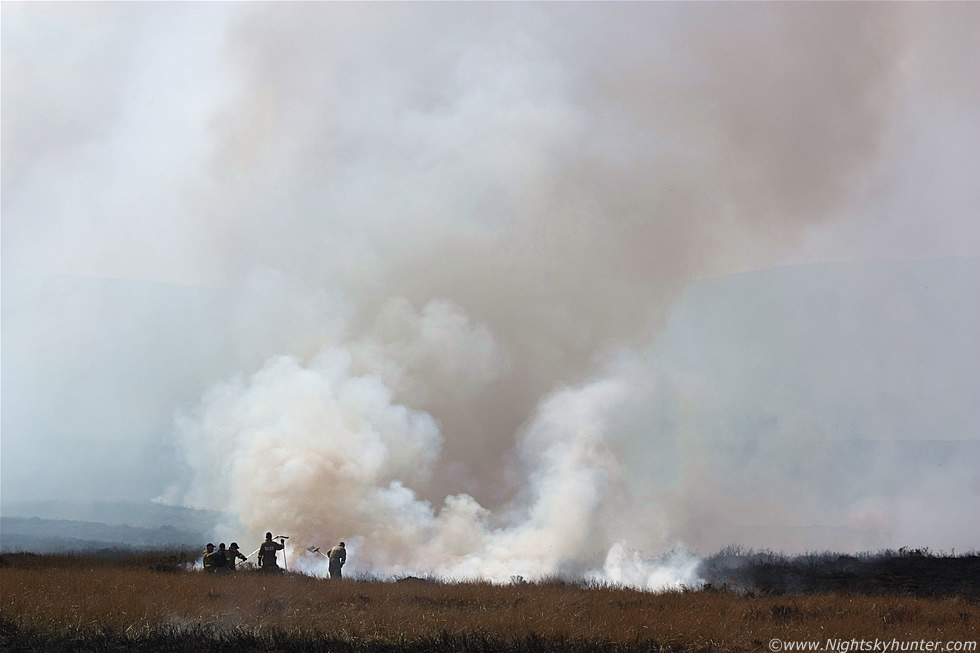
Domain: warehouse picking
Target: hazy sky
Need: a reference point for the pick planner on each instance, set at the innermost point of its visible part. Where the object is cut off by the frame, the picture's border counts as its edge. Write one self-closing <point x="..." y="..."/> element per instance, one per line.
<point x="437" y="259"/>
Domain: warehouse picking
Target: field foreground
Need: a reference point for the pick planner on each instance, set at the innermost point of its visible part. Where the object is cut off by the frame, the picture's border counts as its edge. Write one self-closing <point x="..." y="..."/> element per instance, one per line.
<point x="153" y="603"/>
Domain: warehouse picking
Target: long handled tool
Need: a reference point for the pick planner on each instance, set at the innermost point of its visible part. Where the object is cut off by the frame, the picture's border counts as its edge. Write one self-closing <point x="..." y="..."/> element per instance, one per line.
<point x="281" y="538"/>
<point x="316" y="549"/>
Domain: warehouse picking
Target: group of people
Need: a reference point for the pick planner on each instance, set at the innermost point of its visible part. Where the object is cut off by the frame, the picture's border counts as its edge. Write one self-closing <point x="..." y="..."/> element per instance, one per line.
<point x="222" y="559"/>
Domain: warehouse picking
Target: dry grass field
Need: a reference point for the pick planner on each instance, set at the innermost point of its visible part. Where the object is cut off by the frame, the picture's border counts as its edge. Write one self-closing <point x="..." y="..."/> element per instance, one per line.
<point x="153" y="602"/>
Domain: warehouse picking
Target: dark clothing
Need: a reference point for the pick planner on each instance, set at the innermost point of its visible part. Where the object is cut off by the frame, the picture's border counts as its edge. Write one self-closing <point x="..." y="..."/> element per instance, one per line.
<point x="267" y="554"/>
<point x="219" y="560"/>
<point x="233" y="556"/>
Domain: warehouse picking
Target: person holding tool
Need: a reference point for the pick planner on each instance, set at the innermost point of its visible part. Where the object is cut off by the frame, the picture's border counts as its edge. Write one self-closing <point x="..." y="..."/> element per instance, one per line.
<point x="267" y="553"/>
<point x="234" y="555"/>
<point x="338" y="556"/>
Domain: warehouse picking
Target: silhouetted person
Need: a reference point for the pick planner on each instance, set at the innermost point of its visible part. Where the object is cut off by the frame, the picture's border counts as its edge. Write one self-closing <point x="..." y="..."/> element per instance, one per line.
<point x="267" y="553"/>
<point x="234" y="555"/>
<point x="219" y="559"/>
<point x="338" y="556"/>
<point x="208" y="559"/>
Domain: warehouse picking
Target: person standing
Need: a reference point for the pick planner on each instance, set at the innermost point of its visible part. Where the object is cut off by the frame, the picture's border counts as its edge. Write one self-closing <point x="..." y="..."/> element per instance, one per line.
<point x="338" y="556"/>
<point x="219" y="560"/>
<point x="208" y="558"/>
<point x="234" y="555"/>
<point x="267" y="553"/>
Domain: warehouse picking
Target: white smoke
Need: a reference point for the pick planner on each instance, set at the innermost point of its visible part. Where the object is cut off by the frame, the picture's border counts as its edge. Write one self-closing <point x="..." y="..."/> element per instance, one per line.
<point x="326" y="454"/>
<point x="442" y="243"/>
<point x="674" y="570"/>
<point x="522" y="213"/>
<point x="436" y="349"/>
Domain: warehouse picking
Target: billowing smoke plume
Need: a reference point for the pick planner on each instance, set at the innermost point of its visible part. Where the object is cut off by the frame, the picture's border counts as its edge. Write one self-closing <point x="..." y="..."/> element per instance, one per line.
<point x="456" y="232"/>
<point x="324" y="452"/>
<point x="506" y="196"/>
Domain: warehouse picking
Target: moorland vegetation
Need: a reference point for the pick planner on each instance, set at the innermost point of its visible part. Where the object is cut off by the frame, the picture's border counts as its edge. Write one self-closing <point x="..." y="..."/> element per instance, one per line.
<point x="161" y="601"/>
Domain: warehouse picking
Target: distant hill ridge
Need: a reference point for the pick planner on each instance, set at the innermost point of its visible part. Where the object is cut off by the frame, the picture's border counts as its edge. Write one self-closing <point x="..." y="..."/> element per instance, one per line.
<point x="32" y="534"/>
<point x="61" y="526"/>
<point x="142" y="515"/>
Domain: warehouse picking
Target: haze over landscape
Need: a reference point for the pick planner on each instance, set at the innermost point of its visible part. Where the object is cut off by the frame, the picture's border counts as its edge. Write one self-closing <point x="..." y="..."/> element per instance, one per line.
<point x="497" y="289"/>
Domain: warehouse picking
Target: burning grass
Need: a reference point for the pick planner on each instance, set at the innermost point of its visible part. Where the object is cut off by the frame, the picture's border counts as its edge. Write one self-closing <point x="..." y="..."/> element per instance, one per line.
<point x="84" y="603"/>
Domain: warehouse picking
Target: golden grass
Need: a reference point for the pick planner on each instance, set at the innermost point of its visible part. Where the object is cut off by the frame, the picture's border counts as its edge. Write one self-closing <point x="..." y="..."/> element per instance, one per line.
<point x="72" y="601"/>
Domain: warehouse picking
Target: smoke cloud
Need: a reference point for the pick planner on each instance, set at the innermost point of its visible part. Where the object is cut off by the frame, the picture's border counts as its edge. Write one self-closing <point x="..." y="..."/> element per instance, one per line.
<point x="448" y="244"/>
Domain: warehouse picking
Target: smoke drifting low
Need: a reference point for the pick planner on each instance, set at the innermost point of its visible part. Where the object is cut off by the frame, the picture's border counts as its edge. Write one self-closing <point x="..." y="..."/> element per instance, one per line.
<point x="482" y="215"/>
<point x="321" y="451"/>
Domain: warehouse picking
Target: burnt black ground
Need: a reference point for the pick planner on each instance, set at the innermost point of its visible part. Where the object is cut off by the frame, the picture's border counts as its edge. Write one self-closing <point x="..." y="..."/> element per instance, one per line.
<point x="905" y="573"/>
